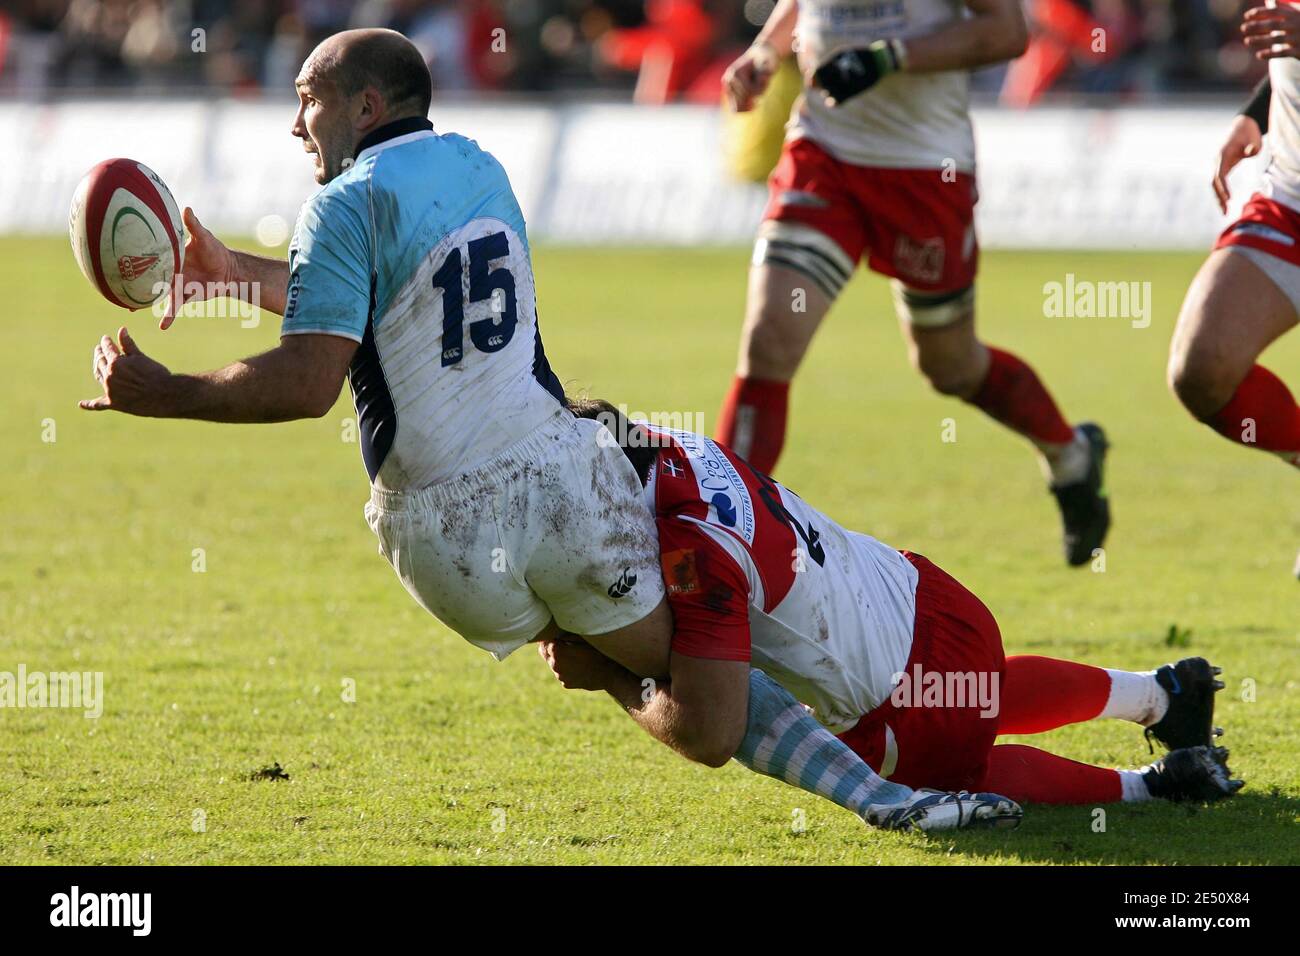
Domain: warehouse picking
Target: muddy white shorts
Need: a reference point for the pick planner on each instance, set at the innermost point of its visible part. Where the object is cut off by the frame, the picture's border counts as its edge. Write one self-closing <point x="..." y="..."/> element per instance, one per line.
<point x="556" y="526"/>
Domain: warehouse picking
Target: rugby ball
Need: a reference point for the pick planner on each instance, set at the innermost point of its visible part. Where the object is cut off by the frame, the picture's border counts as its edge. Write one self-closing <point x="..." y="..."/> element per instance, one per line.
<point x="126" y="233"/>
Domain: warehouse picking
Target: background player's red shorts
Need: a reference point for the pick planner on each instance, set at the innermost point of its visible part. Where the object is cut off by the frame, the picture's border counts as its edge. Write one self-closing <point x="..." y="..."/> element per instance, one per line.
<point x="944" y="747"/>
<point x="1268" y="226"/>
<point x="910" y="223"/>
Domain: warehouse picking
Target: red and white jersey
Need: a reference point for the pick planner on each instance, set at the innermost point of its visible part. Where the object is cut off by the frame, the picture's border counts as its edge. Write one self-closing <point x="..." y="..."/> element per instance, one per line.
<point x="1282" y="178"/>
<point x="907" y="120"/>
<point x="755" y="574"/>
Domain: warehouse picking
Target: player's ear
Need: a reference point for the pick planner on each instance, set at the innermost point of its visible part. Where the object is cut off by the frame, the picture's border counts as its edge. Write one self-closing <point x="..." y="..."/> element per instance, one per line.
<point x="368" y="108"/>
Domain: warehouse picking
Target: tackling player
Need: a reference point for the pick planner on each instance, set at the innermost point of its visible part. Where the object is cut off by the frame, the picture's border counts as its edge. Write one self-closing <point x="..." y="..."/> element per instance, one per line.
<point x="879" y="166"/>
<point x="1247" y="294"/>
<point x="888" y="651"/>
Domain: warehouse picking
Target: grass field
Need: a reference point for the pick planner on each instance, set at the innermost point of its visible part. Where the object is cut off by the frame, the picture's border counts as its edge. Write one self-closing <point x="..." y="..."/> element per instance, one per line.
<point x="448" y="757"/>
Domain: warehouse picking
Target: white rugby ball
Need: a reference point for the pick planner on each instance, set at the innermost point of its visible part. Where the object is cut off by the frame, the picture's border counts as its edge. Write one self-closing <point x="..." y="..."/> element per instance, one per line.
<point x="126" y="233"/>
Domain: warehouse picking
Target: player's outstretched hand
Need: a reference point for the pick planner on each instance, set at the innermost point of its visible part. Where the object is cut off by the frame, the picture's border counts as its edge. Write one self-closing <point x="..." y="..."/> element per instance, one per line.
<point x="1244" y="140"/>
<point x="747" y="77"/>
<point x="208" y="263"/>
<point x="934" y="810"/>
<point x="1272" y="31"/>
<point x="132" y="381"/>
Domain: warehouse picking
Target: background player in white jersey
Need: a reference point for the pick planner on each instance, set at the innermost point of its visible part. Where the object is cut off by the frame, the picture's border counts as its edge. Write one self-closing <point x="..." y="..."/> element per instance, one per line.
<point x="879" y="165"/>
<point x="887" y="650"/>
<point x="1247" y="294"/>
<point x="409" y="273"/>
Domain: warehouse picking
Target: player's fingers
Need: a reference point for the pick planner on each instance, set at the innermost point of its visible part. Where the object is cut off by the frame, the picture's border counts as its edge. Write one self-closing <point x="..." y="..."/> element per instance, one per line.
<point x="108" y="347"/>
<point x="1260" y="25"/>
<point x="128" y="344"/>
<point x="738" y="94"/>
<point x="192" y="224"/>
<point x="1221" y="193"/>
<point x="1220" y="181"/>
<point x="99" y="404"/>
<point x="1274" y="50"/>
<point x="1261" y="40"/>
<point x="103" y="362"/>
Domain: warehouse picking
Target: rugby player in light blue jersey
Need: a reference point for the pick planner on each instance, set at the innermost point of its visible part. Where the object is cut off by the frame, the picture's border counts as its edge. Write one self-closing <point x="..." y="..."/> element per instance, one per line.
<point x="504" y="515"/>
<point x="409" y="274"/>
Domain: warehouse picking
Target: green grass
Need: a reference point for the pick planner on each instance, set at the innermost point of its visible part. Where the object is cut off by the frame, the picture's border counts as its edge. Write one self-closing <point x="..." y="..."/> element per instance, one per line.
<point x="211" y="676"/>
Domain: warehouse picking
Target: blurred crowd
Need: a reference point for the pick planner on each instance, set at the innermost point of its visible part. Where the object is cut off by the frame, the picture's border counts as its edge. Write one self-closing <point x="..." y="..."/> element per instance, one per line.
<point x="650" y="50"/>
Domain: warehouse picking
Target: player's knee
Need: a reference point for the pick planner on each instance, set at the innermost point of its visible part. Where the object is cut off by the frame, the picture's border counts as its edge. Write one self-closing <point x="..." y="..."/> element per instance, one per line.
<point x="772" y="352"/>
<point x="1200" y="381"/>
<point x="949" y="374"/>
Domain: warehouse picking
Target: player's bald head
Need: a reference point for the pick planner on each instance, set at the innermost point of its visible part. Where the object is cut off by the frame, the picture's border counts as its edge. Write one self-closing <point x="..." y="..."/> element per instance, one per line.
<point x="356" y="59"/>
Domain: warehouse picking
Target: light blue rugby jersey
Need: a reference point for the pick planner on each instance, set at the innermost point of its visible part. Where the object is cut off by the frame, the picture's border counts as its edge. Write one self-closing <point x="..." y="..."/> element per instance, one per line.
<point x="419" y="253"/>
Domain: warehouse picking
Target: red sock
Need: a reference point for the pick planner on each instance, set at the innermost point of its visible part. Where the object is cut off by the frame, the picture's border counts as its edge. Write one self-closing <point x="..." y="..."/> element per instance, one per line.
<point x="752" y="420"/>
<point x="1263" y="413"/>
<point x="1035" y="776"/>
<point x="1042" y="693"/>
<point x="1013" y="395"/>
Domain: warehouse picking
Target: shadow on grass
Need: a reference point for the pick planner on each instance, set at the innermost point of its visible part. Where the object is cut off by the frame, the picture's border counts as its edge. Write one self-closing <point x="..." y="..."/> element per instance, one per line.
<point x="1250" y="828"/>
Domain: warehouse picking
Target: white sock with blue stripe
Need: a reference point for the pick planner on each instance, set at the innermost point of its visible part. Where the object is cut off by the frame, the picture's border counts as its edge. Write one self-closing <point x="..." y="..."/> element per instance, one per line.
<point x="784" y="741"/>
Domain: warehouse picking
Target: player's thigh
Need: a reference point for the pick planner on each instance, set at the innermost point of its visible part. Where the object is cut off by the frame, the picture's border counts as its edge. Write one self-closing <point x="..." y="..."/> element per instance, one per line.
<point x="808" y="244"/>
<point x="946" y="350"/>
<point x="1234" y="308"/>
<point x="589" y="548"/>
<point x="940" y="722"/>
<point x="782" y="313"/>
<point x="922" y="237"/>
<point x="451" y="559"/>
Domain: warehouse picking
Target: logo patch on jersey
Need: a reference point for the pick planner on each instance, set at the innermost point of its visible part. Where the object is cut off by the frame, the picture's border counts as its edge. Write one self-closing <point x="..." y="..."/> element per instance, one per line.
<point x="291" y="298"/>
<point x="625" y="583"/>
<point x="674" y="470"/>
<point x="680" y="574"/>
<point x="719" y="483"/>
<point x="922" y="261"/>
<point x="725" y="510"/>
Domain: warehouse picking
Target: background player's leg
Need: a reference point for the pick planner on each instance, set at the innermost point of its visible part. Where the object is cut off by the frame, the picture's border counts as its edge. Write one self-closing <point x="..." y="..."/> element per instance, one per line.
<point x="782" y="311"/>
<point x="940" y="330"/>
<point x="1042" y="693"/>
<point x="957" y="363"/>
<point x="1234" y="309"/>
